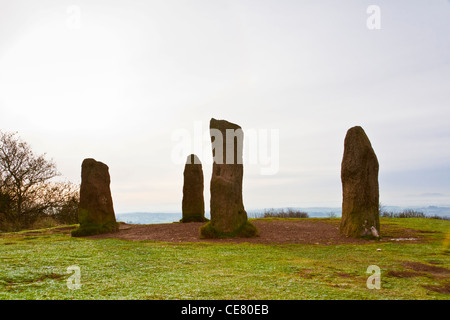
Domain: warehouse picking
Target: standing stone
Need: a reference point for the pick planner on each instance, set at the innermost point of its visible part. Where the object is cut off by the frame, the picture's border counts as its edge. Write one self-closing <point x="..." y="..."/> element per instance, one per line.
<point x="96" y="213"/>
<point x="228" y="216"/>
<point x="193" y="204"/>
<point x="359" y="175"/>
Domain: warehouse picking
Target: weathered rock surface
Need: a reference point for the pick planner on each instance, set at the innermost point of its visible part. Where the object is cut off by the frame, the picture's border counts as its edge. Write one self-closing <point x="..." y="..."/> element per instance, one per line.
<point x="193" y="204"/>
<point x="360" y="190"/>
<point x="228" y="216"/>
<point x="96" y="212"/>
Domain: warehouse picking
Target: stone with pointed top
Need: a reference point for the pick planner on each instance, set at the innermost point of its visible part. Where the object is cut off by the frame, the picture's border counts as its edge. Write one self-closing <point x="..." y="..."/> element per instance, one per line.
<point x="360" y="190"/>
<point x="193" y="204"/>
<point x="96" y="212"/>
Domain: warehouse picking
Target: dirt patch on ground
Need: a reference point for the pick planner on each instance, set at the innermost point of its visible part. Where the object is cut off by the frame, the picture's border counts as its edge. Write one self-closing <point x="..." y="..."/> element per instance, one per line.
<point x="421" y="267"/>
<point x="417" y="269"/>
<point x="344" y="275"/>
<point x="445" y="288"/>
<point x="404" y="274"/>
<point x="324" y="232"/>
<point x="305" y="273"/>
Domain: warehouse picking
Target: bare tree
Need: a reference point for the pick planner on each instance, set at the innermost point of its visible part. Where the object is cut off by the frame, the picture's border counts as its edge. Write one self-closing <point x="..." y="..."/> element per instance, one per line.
<point x="58" y="200"/>
<point x="22" y="173"/>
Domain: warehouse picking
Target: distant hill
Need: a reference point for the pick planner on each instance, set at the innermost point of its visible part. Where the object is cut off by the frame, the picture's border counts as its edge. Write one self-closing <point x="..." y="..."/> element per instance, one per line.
<point x="318" y="212"/>
<point x="313" y="212"/>
<point x="429" y="210"/>
<point x="148" y="217"/>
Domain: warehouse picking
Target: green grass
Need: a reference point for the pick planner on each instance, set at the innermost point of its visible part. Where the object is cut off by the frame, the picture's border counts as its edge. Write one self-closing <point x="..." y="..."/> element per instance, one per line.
<point x="33" y="265"/>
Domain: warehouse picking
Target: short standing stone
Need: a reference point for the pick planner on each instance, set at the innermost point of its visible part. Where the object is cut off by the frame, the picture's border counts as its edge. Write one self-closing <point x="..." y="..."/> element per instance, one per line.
<point x="228" y="216"/>
<point x="96" y="213"/>
<point x="193" y="204"/>
<point x="360" y="190"/>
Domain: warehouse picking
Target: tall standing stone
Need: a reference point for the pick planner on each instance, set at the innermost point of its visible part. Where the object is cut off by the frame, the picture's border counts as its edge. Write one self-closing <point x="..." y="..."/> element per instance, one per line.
<point x="228" y="216"/>
<point x="96" y="213"/>
<point x="193" y="204"/>
<point x="360" y="191"/>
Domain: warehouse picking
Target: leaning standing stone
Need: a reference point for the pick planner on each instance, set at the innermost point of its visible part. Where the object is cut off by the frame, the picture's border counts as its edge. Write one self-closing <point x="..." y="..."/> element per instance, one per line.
<point x="359" y="175"/>
<point x="96" y="213"/>
<point x="193" y="204"/>
<point x="228" y="216"/>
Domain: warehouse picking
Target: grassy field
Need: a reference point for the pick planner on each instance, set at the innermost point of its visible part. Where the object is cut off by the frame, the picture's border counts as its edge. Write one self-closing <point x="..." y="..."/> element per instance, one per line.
<point x="33" y="265"/>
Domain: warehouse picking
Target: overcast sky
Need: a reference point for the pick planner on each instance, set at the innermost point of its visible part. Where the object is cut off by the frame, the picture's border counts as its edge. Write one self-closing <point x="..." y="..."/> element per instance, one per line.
<point x="118" y="80"/>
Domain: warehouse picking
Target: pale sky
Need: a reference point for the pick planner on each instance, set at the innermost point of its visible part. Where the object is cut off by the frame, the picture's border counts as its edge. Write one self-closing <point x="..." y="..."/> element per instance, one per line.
<point x="114" y="80"/>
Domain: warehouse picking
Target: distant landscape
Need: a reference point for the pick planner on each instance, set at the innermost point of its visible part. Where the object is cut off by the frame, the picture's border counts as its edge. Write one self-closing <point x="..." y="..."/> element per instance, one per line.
<point x="313" y="212"/>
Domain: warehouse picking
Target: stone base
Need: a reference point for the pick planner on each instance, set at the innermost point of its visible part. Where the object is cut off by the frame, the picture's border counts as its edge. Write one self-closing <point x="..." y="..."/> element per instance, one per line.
<point x="247" y="230"/>
<point x="93" y="229"/>
<point x="89" y="227"/>
<point x="360" y="223"/>
<point x="198" y="218"/>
